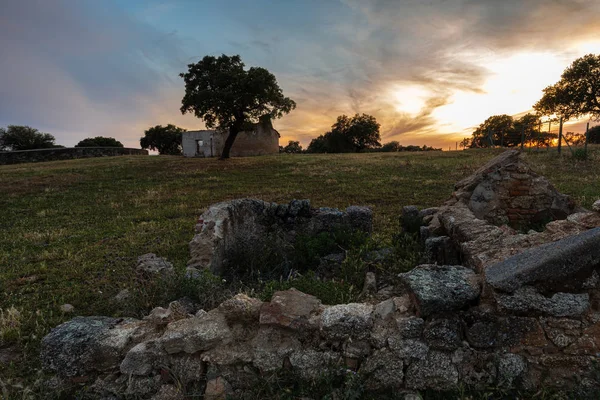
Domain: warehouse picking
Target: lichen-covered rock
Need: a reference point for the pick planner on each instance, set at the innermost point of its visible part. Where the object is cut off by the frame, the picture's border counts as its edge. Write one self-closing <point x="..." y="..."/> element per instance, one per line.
<point x="435" y="371"/>
<point x="270" y="348"/>
<point x="152" y="264"/>
<point x="196" y="334"/>
<point x="410" y="327"/>
<point x="443" y="334"/>
<point x="550" y="265"/>
<point x="241" y="309"/>
<point x="347" y="320"/>
<point x="385" y="370"/>
<point x="87" y="344"/>
<point x="510" y="367"/>
<point x="310" y="364"/>
<point x="407" y="349"/>
<point x="528" y="300"/>
<point x="143" y="358"/>
<point x="441" y="289"/>
<point x="291" y="309"/>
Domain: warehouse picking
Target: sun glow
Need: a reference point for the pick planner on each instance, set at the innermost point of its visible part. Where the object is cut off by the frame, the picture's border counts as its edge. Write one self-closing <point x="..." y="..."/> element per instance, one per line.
<point x="515" y="85"/>
<point x="409" y="98"/>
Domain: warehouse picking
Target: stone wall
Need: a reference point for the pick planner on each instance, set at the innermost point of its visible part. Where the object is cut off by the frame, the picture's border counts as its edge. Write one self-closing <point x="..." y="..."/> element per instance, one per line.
<point x="39" y="155"/>
<point x="523" y="311"/>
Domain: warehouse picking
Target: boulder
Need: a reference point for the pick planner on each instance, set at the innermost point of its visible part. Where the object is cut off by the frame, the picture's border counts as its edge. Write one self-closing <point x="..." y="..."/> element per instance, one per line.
<point x="549" y="265"/>
<point x="89" y="344"/>
<point x="385" y="370"/>
<point x="440" y="289"/>
<point x="241" y="309"/>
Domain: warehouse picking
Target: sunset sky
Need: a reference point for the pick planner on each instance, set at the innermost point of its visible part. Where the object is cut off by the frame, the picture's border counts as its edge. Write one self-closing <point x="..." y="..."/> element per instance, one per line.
<point x="428" y="70"/>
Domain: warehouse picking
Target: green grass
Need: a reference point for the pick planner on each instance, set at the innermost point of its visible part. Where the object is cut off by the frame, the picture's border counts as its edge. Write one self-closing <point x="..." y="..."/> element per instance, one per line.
<point x="71" y="231"/>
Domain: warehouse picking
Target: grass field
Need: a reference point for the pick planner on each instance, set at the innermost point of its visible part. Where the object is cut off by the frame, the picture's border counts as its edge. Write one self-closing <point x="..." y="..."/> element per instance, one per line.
<point x="71" y="231"/>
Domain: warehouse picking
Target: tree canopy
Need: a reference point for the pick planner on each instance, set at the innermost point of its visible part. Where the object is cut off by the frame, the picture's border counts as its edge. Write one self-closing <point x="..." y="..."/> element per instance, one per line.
<point x="293" y="147"/>
<point x="99" y="141"/>
<point x="577" y="93"/>
<point x="228" y="97"/>
<point x="347" y="135"/>
<point x="16" y="137"/>
<point x="504" y="129"/>
<point x="164" y="139"/>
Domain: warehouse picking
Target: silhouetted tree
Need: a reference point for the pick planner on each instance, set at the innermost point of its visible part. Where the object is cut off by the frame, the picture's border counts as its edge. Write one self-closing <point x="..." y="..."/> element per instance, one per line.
<point x="228" y="97"/>
<point x="16" y="137"/>
<point x="495" y="126"/>
<point x="293" y="147"/>
<point x="577" y="93"/>
<point x="391" y="147"/>
<point x="99" y="141"/>
<point x="164" y="139"/>
<point x="348" y="135"/>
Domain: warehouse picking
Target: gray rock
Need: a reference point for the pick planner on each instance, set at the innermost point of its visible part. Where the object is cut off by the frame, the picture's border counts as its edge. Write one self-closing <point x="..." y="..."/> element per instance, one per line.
<point x="241" y="309"/>
<point x="310" y="364"/>
<point x="151" y="264"/>
<point x="443" y="334"/>
<point x="123" y="296"/>
<point x="596" y="206"/>
<point x="67" y="308"/>
<point x="347" y="320"/>
<point x="407" y="349"/>
<point x="270" y="348"/>
<point x="411" y="327"/>
<point x="527" y="300"/>
<point x="370" y="286"/>
<point x="299" y="208"/>
<point x="86" y="344"/>
<point x="548" y="265"/>
<point x="191" y="335"/>
<point x="142" y="359"/>
<point x="168" y="392"/>
<point x="436" y="372"/>
<point x="385" y="370"/>
<point x="385" y="309"/>
<point x="510" y="367"/>
<point x="139" y="387"/>
<point x="440" y="289"/>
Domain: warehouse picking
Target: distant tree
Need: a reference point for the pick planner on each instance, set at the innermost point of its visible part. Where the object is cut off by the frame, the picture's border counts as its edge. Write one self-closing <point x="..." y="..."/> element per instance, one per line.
<point x="16" y="137"/>
<point x="293" y="147"/>
<point x="99" y="141"/>
<point x="465" y="143"/>
<point x="361" y="131"/>
<point x="495" y="126"/>
<point x="577" y="93"/>
<point x="594" y="135"/>
<point x="228" y="97"/>
<point x="348" y="135"/>
<point x="164" y="139"/>
<point x="390" y="147"/>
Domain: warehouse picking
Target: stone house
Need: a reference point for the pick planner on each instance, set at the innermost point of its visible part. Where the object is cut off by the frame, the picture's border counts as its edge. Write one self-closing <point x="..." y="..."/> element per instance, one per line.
<point x="260" y="140"/>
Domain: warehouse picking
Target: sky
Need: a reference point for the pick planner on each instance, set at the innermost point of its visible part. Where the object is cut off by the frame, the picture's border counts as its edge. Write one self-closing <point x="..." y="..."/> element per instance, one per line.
<point x="430" y="71"/>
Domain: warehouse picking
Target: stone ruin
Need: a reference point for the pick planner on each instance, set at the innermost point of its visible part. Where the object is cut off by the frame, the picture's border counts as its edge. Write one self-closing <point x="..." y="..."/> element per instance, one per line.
<point x="490" y="307"/>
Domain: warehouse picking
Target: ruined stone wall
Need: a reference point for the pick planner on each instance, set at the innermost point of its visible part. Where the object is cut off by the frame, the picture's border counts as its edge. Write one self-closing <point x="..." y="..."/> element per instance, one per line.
<point x="39" y="155"/>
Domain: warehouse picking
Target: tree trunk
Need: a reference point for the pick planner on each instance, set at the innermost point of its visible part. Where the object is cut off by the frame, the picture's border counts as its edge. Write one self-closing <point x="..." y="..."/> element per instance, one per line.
<point x="233" y="132"/>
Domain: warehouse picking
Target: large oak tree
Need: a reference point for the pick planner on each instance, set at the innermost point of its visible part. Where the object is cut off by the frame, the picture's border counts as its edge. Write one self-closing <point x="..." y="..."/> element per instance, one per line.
<point x="577" y="93"/>
<point x="230" y="98"/>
